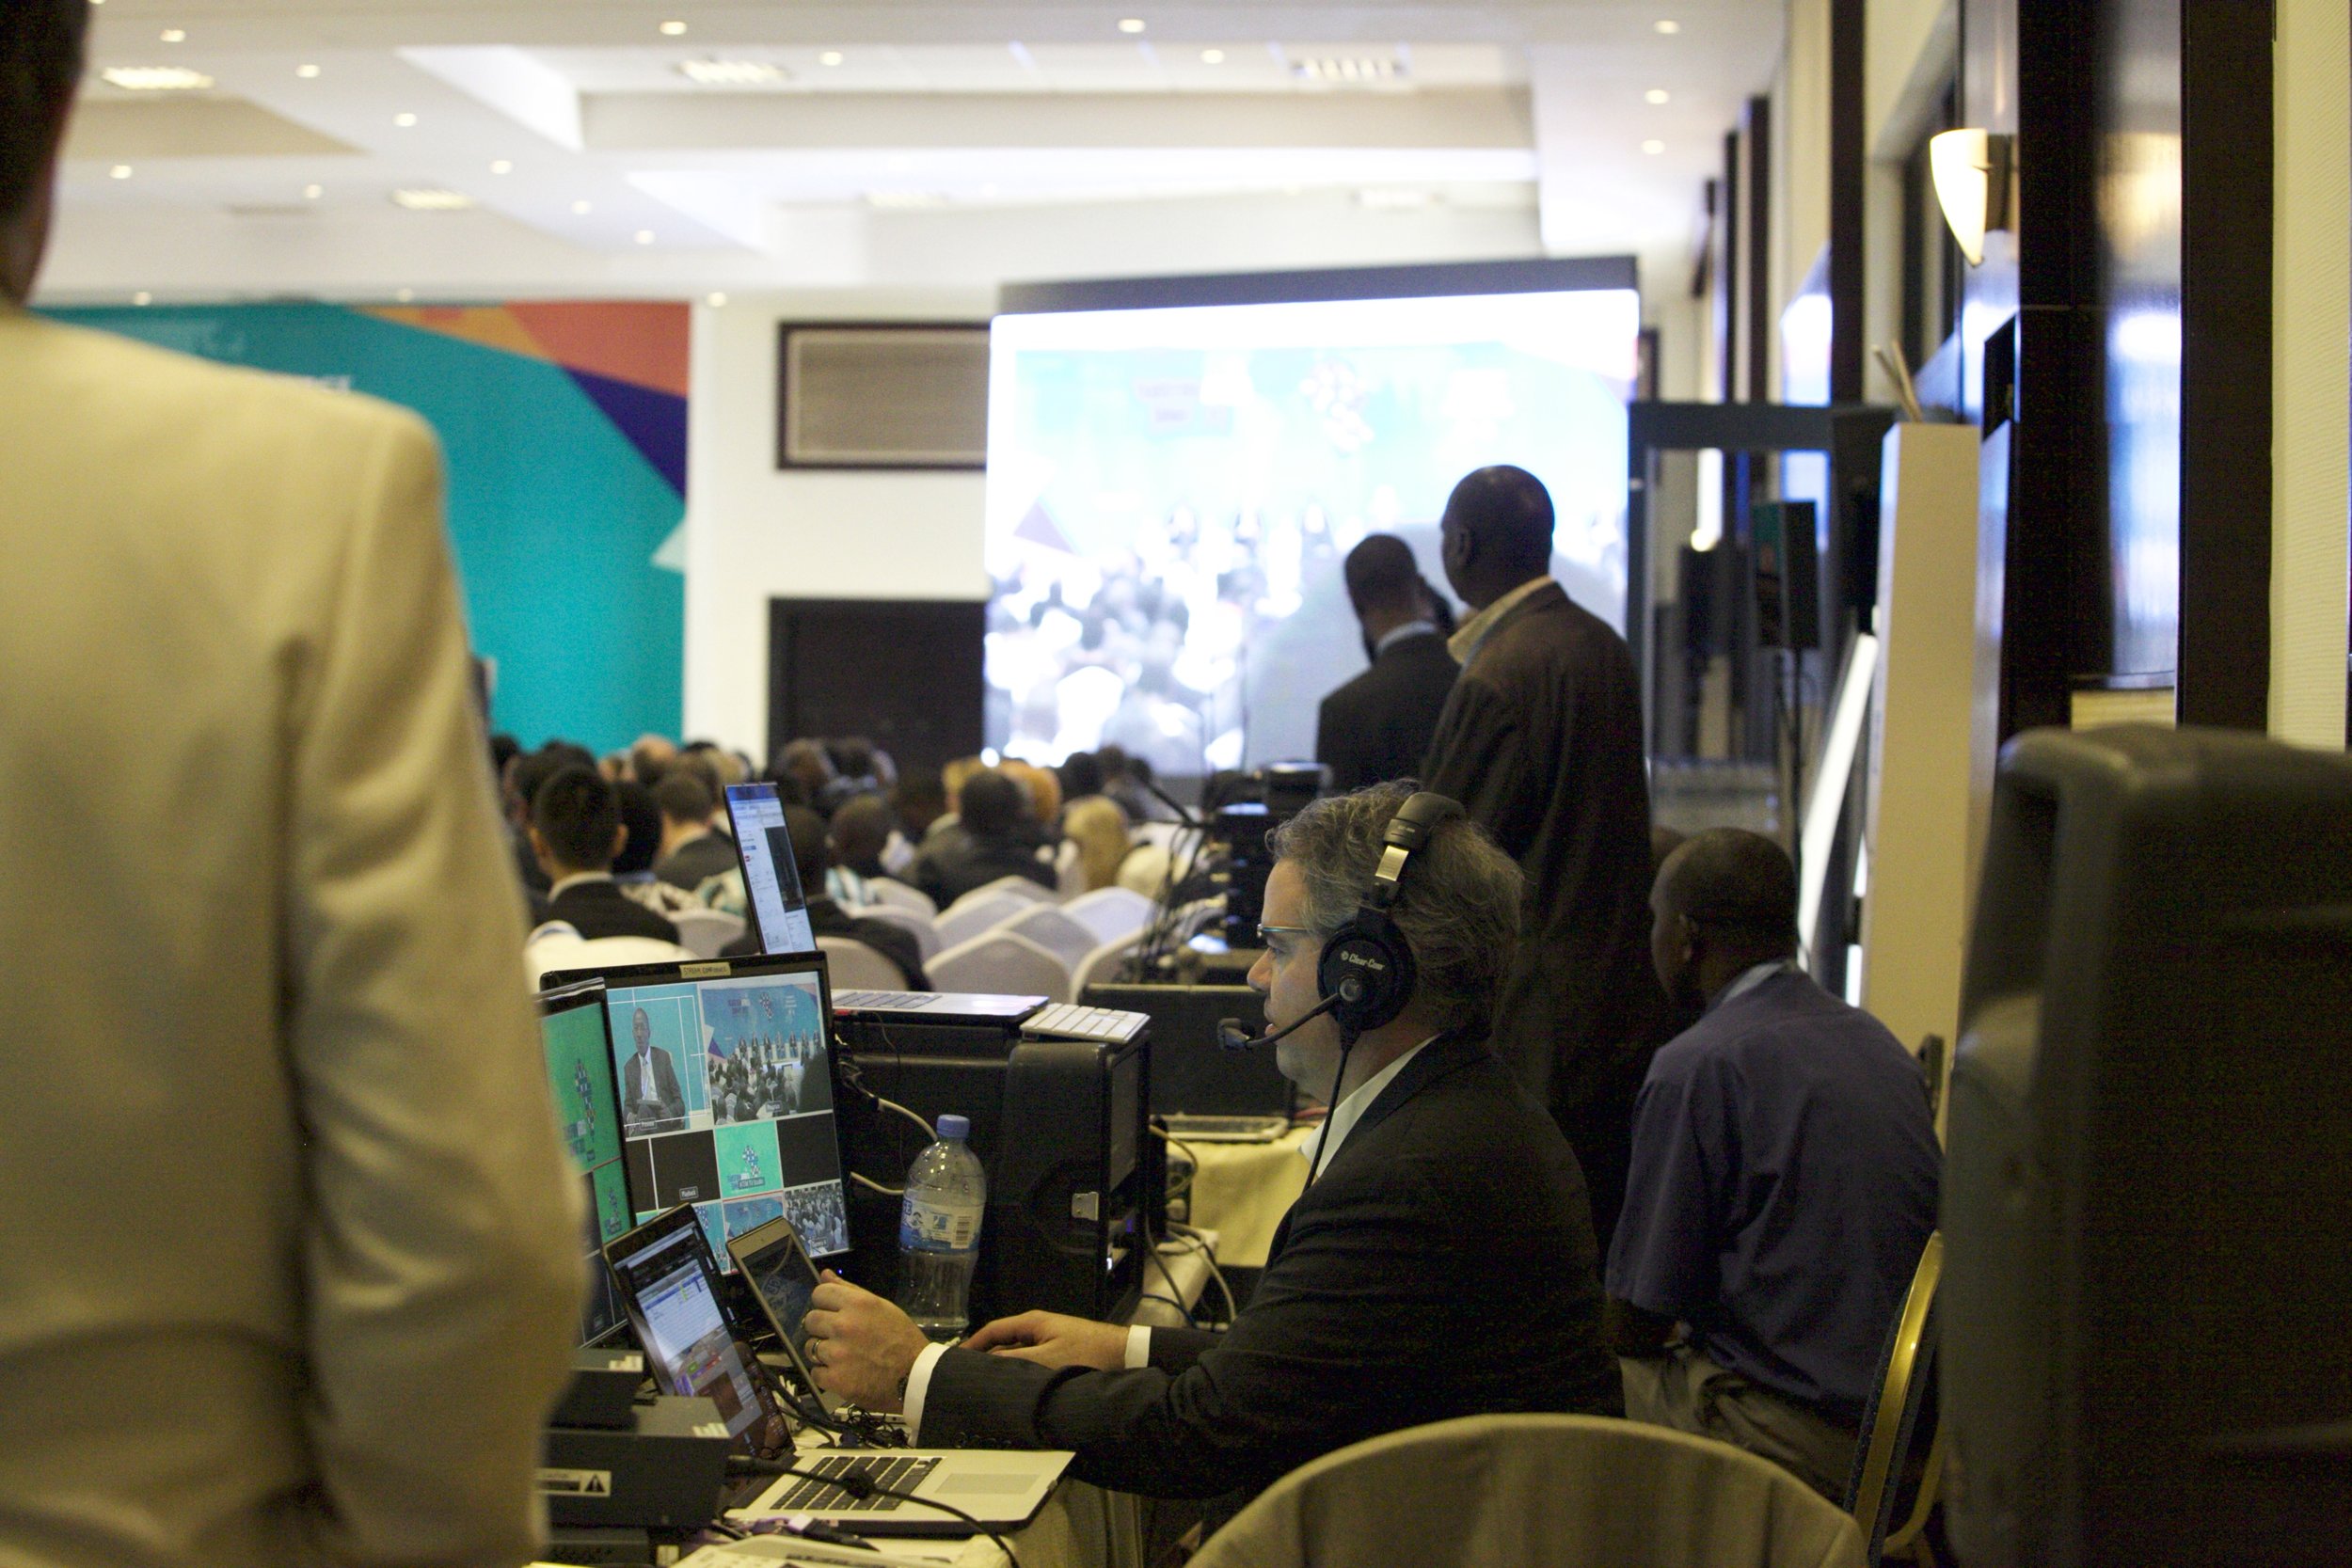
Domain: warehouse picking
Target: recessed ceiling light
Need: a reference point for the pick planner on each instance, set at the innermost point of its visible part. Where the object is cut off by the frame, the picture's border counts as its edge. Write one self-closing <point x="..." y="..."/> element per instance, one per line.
<point x="717" y="302"/>
<point x="1131" y="24"/>
<point x="1656" y="95"/>
<point x="732" y="73"/>
<point x="831" y="56"/>
<point x="121" y="171"/>
<point x="156" y="78"/>
<point x="1653" y="148"/>
<point x="1668" y="27"/>
<point x="404" y="121"/>
<point x="142" y="298"/>
<point x="1351" y="68"/>
<point x="583" y="208"/>
<point x="501" y="165"/>
<point x="644" y="236"/>
<point x="312" y="193"/>
<point x="175" y="35"/>
<point x="307" y="72"/>
<point x="433" y="199"/>
<point x="673" y="29"/>
<point x="1212" y="56"/>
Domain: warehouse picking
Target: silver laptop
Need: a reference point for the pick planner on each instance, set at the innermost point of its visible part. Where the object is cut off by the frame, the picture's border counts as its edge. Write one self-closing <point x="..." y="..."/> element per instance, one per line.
<point x="1003" y="1488"/>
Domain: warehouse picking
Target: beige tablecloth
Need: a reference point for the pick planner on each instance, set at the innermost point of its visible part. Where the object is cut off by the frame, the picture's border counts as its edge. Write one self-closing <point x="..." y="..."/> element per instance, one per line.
<point x="1241" y="1191"/>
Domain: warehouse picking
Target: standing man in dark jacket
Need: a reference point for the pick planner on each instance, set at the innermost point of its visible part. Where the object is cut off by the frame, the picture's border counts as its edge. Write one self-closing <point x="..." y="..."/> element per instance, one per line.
<point x="1541" y="742"/>
<point x="1440" y="1262"/>
<point x="1377" y="727"/>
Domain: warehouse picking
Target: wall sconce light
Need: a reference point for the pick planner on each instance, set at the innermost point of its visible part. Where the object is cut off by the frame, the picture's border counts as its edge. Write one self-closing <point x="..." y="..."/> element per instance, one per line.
<point x="1976" y="184"/>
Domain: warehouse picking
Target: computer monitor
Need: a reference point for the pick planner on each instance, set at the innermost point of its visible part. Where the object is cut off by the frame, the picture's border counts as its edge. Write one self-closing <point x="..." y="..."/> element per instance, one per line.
<point x="669" y="1282"/>
<point x="725" y="1069"/>
<point x="771" y="879"/>
<point x="579" y="1052"/>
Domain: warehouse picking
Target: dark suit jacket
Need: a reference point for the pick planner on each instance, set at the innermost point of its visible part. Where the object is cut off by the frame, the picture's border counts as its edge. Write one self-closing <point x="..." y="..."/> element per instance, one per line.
<point x="602" y="910"/>
<point x="1442" y="1265"/>
<point x="662" y="1092"/>
<point x="697" y="859"/>
<point x="1541" y="742"/>
<point x="955" y="863"/>
<point x="1378" y="726"/>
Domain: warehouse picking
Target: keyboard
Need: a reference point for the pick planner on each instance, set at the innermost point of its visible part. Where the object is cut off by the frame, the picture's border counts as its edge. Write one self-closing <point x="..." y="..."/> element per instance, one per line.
<point x="1065" y="1021"/>
<point x="895" y="1474"/>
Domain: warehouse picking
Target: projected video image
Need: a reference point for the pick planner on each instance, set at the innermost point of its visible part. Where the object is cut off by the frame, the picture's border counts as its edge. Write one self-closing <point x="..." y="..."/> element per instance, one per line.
<point x="1171" y="492"/>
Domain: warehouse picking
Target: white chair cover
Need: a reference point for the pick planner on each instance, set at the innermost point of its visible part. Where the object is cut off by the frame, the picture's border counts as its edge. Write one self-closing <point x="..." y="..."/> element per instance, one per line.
<point x="887" y="889"/>
<point x="1013" y="883"/>
<point x="1098" y="966"/>
<point x="926" y="933"/>
<point x="704" y="932"/>
<point x="1001" y="963"/>
<point x="1110" y="912"/>
<point x="559" y="946"/>
<point x="1054" y="931"/>
<point x="857" y="967"/>
<point x="975" y="912"/>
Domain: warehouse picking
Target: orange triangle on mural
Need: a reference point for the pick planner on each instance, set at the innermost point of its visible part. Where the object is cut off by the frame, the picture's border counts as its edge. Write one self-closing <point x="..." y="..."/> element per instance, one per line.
<point x="488" y="325"/>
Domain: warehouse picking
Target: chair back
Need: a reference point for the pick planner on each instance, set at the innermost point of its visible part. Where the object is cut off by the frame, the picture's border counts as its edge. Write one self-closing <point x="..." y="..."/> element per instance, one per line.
<point x="856" y="966"/>
<point x="1069" y="871"/>
<point x="1012" y="883"/>
<point x="889" y="890"/>
<point x="1049" y="928"/>
<point x="975" y="912"/>
<point x="704" y="932"/>
<point x="926" y="933"/>
<point x="1001" y="963"/>
<point x="1537" y="1492"/>
<point x="558" y="944"/>
<point x="1145" y="870"/>
<point x="1100" y="967"/>
<point x="1111" y="912"/>
<point x="1899" y="1407"/>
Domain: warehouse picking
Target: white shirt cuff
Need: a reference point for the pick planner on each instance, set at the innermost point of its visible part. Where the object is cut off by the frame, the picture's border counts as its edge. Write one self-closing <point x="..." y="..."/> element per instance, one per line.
<point x="1138" y="1347"/>
<point x="919" y="1384"/>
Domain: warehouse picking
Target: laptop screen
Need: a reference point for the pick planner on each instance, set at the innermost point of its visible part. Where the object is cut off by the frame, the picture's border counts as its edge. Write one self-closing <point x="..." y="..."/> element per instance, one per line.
<point x="725" y="1078"/>
<point x="771" y="879"/>
<point x="579" y="1071"/>
<point x="671" y="1283"/>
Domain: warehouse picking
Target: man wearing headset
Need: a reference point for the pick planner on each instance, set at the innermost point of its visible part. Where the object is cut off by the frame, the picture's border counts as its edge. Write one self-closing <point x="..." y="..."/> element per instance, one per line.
<point x="1439" y="1263"/>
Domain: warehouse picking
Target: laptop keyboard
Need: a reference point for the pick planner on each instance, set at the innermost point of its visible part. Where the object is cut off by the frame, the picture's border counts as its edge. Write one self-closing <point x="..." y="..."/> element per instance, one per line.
<point x="895" y="1001"/>
<point x="898" y="1474"/>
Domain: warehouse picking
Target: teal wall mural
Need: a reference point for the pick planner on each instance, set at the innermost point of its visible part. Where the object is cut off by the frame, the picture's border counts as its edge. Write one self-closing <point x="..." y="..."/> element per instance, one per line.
<point x="563" y="427"/>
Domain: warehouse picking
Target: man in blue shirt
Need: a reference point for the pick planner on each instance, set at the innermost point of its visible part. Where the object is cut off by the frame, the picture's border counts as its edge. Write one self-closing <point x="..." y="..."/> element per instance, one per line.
<point x="1783" y="1185"/>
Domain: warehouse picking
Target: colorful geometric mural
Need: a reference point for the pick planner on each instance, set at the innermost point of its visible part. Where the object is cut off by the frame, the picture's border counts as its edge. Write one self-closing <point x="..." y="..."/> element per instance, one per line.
<point x="563" y="427"/>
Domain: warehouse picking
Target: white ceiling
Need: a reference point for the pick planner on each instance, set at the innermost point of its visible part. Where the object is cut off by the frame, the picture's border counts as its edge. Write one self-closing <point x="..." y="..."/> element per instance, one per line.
<point x="902" y="142"/>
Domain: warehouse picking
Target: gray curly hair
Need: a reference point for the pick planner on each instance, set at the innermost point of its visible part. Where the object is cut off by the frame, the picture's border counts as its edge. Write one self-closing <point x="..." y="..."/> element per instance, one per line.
<point x="1458" y="908"/>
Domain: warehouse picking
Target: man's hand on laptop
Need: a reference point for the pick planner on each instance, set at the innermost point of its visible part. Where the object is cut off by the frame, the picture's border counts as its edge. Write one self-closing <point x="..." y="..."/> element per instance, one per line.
<point x="860" y="1346"/>
<point x="1050" y="1339"/>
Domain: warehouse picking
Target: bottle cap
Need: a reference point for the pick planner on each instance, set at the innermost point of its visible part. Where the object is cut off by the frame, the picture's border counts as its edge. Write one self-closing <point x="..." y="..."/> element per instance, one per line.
<point x="954" y="1128"/>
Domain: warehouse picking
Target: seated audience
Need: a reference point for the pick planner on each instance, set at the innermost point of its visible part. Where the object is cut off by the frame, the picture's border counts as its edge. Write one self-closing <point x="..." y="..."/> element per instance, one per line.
<point x="919" y="800"/>
<point x="576" y="832"/>
<point x="649" y="757"/>
<point x="525" y="776"/>
<point x="989" y="840"/>
<point x="1098" y="829"/>
<point x="1040" y="787"/>
<point x="861" y="833"/>
<point x="632" y="868"/>
<point x="826" y="917"/>
<point x="1440" y="1264"/>
<point x="692" y="850"/>
<point x="1081" y="776"/>
<point x="801" y="771"/>
<point x="1783" y="1179"/>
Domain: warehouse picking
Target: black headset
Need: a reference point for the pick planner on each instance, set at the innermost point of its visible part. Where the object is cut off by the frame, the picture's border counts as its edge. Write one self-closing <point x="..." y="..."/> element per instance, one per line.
<point x="1366" y="976"/>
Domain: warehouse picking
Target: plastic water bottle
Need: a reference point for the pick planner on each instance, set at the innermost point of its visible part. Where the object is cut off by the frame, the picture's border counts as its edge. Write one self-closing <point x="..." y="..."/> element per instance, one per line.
<point x="939" y="1232"/>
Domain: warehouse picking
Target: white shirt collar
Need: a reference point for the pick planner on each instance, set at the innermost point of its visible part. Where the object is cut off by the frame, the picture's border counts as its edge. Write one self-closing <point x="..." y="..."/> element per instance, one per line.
<point x="1344" y="1116"/>
<point x="1752" y="978"/>
<point x="1410" y="628"/>
<point x="575" y="880"/>
<point x="1464" y="644"/>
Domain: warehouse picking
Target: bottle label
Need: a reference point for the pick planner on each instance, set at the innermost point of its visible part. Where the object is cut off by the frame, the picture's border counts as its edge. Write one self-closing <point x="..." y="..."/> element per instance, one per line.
<point x="928" y="1226"/>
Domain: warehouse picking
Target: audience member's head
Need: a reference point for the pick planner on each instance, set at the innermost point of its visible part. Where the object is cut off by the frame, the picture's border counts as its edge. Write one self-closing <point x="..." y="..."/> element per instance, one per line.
<point x="686" y="801"/>
<point x="532" y="769"/>
<point x="953" y="777"/>
<point x="806" y="764"/>
<point x="811" y="853"/>
<point x="1042" y="788"/>
<point x="1497" y="533"/>
<point x="642" y="818"/>
<point x="919" y="800"/>
<point x="504" y="748"/>
<point x="1725" y="901"/>
<point x="1096" y="825"/>
<point x="649" y="757"/>
<point x="861" y="830"/>
<point x="41" y="62"/>
<point x="993" y="804"/>
<point x="1458" y="909"/>
<point x="575" y="823"/>
<point x="1081" y="776"/>
<point x="1383" y="581"/>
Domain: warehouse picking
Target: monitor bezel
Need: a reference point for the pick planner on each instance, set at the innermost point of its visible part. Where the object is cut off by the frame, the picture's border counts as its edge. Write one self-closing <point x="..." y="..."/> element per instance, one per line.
<point x="572" y="997"/>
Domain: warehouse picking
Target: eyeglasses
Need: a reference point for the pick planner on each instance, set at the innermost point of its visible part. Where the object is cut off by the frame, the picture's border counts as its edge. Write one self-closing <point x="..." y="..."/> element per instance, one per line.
<point x="1265" y="931"/>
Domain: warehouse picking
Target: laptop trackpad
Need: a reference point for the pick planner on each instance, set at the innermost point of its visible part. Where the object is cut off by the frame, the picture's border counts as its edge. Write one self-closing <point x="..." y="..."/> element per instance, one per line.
<point x="961" y="1482"/>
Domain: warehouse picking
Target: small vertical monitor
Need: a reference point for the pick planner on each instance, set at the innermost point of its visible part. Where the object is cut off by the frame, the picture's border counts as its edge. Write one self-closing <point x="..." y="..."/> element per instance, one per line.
<point x="724" y="1074"/>
<point x="771" y="879"/>
<point x="579" y="1050"/>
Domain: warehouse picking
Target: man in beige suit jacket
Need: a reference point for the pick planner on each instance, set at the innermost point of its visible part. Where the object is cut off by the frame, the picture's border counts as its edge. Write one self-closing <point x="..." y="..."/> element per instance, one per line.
<point x="290" y="1259"/>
